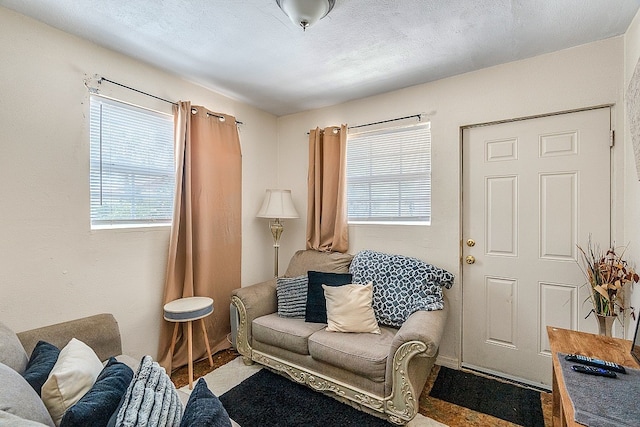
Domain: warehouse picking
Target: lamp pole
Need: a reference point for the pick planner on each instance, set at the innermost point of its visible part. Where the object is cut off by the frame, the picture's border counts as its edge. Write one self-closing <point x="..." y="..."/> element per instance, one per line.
<point x="277" y="204"/>
<point x="276" y="231"/>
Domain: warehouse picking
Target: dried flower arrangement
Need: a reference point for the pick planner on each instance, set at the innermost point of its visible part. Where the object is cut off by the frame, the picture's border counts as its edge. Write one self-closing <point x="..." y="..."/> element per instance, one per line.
<point x="607" y="273"/>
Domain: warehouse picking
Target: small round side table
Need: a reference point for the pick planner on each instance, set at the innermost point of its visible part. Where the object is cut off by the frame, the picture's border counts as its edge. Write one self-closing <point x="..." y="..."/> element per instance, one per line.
<point x="188" y="310"/>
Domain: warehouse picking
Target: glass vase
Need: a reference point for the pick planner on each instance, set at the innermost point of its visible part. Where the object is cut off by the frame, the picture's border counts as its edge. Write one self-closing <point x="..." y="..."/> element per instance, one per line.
<point x="605" y="324"/>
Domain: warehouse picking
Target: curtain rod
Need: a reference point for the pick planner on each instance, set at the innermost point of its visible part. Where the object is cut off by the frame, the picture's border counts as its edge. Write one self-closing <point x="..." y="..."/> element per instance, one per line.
<point x="418" y="116"/>
<point x="194" y="110"/>
<point x="103" y="79"/>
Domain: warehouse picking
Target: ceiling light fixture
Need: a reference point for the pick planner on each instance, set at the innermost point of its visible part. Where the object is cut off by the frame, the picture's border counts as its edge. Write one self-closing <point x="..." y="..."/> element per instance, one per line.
<point x="306" y="12"/>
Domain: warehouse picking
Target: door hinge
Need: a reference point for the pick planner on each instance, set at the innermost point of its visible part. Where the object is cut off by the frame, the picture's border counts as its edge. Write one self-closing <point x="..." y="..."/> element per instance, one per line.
<point x="612" y="139"/>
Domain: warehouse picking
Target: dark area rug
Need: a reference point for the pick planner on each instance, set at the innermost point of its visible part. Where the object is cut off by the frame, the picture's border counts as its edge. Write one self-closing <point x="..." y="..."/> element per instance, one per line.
<point x="509" y="402"/>
<point x="266" y="399"/>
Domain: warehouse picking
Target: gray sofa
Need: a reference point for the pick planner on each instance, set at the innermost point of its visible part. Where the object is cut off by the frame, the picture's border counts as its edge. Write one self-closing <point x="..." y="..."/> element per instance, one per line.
<point x="381" y="374"/>
<point x="19" y="404"/>
<point x="100" y="332"/>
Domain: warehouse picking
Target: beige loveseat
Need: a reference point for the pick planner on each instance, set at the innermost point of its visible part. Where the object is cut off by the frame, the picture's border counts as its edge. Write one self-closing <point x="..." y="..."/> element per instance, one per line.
<point x="382" y="374"/>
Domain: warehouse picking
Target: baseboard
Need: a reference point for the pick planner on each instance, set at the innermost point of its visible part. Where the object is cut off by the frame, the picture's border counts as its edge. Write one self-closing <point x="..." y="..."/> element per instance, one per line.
<point x="449" y="362"/>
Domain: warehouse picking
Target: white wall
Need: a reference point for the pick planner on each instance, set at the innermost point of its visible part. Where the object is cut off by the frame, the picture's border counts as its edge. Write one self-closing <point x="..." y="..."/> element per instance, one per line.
<point x="53" y="267"/>
<point x="632" y="185"/>
<point x="580" y="77"/>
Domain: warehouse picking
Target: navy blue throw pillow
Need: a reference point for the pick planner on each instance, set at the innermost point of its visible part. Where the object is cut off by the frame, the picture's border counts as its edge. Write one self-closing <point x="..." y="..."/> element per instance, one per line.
<point x="41" y="362"/>
<point x="316" y="310"/>
<point x="96" y="407"/>
<point x="204" y="409"/>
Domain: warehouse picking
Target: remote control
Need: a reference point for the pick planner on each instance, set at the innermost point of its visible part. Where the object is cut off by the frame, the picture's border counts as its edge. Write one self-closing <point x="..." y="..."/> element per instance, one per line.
<point x="591" y="370"/>
<point x="595" y="362"/>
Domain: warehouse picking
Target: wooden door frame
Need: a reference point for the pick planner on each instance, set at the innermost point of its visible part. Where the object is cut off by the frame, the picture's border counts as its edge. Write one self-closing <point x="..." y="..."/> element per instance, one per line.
<point x="610" y="106"/>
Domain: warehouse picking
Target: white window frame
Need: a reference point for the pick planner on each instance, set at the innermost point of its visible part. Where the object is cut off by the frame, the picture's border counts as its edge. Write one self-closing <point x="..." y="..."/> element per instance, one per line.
<point x="375" y="162"/>
<point x="142" y="158"/>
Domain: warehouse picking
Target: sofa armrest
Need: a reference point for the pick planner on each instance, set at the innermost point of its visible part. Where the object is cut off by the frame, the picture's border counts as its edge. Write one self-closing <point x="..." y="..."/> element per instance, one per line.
<point x="423" y="326"/>
<point x="100" y="332"/>
<point x="252" y="302"/>
<point x="412" y="354"/>
<point x="259" y="299"/>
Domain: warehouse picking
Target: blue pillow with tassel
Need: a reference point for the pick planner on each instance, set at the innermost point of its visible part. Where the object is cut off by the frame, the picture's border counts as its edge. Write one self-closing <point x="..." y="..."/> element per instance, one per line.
<point x="43" y="357"/>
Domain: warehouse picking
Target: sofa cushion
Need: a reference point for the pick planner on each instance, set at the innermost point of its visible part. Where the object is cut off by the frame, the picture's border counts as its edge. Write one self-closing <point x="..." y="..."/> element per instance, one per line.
<point x="98" y="404"/>
<point x="72" y="376"/>
<point x="316" y="309"/>
<point x="129" y="361"/>
<point x="401" y="285"/>
<point x="43" y="358"/>
<point x="17" y="397"/>
<point x="13" y="354"/>
<point x="289" y="334"/>
<point x="8" y="419"/>
<point x="331" y="262"/>
<point x="363" y="354"/>
<point x="292" y="296"/>
<point x="349" y="308"/>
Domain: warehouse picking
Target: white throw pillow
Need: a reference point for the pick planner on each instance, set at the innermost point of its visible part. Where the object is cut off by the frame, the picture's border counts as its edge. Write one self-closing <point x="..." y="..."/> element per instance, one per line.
<point x="349" y="308"/>
<point x="72" y="376"/>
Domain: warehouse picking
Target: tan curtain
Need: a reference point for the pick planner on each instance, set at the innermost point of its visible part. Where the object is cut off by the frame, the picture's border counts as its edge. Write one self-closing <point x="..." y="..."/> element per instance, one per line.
<point x="205" y="245"/>
<point x="327" y="229"/>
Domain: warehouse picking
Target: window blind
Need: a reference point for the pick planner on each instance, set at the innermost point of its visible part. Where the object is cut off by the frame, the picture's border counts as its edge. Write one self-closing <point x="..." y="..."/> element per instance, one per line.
<point x="389" y="175"/>
<point x="131" y="165"/>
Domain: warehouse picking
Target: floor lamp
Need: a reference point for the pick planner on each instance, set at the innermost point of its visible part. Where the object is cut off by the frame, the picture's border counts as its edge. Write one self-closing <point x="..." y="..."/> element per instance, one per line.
<point x="277" y="205"/>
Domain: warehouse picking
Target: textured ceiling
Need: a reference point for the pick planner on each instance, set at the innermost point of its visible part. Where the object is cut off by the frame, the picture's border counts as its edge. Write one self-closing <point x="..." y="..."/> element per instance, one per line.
<point x="250" y="51"/>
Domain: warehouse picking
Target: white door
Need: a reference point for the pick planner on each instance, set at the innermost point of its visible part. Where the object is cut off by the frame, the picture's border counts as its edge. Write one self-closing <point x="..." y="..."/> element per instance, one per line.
<point x="532" y="190"/>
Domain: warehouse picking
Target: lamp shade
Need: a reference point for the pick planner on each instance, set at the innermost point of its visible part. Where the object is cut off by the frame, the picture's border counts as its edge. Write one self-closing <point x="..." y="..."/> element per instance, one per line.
<point x="306" y="12"/>
<point x="278" y="204"/>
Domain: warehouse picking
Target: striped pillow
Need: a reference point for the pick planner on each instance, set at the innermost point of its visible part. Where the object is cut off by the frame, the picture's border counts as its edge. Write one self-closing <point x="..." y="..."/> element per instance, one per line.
<point x="292" y="296"/>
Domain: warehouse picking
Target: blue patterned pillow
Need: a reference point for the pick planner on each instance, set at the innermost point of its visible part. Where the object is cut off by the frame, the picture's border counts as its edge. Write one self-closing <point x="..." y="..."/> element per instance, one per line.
<point x="40" y="364"/>
<point x="401" y="285"/>
<point x="292" y="296"/>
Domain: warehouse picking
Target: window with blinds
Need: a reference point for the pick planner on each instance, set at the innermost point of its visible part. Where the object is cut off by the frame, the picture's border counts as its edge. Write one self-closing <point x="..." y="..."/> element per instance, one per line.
<point x="132" y="164"/>
<point x="389" y="175"/>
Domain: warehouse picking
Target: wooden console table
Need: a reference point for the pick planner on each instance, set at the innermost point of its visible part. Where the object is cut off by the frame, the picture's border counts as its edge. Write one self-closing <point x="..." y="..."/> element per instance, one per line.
<point x="573" y="342"/>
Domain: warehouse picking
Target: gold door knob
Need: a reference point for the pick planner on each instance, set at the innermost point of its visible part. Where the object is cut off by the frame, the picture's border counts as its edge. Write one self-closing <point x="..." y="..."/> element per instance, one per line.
<point x="471" y="243"/>
<point x="470" y="259"/>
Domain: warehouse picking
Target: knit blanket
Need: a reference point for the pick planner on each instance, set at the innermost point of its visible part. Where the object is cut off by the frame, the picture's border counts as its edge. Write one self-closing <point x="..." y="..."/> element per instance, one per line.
<point x="151" y="399"/>
<point x="401" y="285"/>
